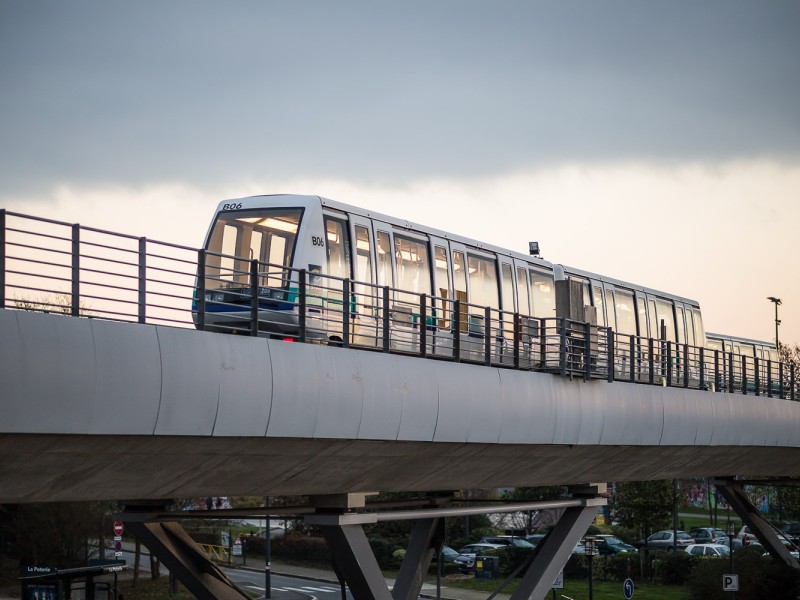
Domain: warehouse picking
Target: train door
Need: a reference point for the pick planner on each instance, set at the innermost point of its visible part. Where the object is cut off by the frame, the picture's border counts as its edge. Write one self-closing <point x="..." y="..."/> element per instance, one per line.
<point x="484" y="292"/>
<point x="440" y="338"/>
<point x="599" y="302"/>
<point x="529" y="327"/>
<point x="643" y="331"/>
<point x="458" y="255"/>
<point x="508" y="308"/>
<point x="366" y="296"/>
<point x="384" y="265"/>
<point x="338" y="268"/>
<point x="413" y="280"/>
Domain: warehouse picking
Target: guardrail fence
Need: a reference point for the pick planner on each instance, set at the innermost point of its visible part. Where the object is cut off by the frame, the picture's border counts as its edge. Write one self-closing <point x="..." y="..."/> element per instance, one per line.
<point x="56" y="267"/>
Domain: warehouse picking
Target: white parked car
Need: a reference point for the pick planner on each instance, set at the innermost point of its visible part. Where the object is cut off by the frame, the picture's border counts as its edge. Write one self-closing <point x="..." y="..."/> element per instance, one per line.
<point x="716" y="550"/>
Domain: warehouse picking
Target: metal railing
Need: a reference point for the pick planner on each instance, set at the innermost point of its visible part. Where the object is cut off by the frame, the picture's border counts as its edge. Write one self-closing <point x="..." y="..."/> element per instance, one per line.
<point x="56" y="267"/>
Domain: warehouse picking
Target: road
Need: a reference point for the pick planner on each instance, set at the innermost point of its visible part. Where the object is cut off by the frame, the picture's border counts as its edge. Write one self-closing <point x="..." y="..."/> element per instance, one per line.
<point x="285" y="587"/>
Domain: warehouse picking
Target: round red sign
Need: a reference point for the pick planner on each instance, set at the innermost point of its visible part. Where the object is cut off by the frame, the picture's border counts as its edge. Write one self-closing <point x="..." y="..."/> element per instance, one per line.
<point x="117" y="527"/>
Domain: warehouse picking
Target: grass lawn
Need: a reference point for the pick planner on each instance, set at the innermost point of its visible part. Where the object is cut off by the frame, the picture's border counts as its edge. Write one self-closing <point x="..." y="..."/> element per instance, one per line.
<point x="579" y="589"/>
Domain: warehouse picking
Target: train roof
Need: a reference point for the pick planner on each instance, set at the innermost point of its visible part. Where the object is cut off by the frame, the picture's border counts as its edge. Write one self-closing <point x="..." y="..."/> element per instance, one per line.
<point x="412" y="226"/>
<point x="733" y="338"/>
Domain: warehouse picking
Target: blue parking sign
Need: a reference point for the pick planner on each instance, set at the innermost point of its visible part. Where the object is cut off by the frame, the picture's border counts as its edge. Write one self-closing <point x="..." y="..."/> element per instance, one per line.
<point x="627" y="589"/>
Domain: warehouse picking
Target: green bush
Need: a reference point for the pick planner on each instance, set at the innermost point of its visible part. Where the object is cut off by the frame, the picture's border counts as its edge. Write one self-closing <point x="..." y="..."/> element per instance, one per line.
<point x="673" y="567"/>
<point x="760" y="578"/>
<point x="296" y="547"/>
<point x="616" y="567"/>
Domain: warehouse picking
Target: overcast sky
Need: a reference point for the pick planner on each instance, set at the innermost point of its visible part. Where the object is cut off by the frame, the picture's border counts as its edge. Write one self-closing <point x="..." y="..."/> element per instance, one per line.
<point x="657" y="142"/>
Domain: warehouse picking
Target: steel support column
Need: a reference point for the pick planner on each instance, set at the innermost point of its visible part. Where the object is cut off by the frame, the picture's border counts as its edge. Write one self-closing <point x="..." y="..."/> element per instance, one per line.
<point x="355" y="561"/>
<point x="731" y="490"/>
<point x="554" y="551"/>
<point x="426" y="539"/>
<point x="183" y="557"/>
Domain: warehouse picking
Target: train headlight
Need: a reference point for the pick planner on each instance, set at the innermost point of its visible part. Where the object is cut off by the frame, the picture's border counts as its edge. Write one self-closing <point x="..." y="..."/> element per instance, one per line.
<point x="215" y="296"/>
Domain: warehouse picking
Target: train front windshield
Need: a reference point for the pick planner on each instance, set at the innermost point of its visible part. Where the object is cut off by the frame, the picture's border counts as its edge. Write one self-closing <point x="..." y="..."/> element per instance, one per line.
<point x="265" y="234"/>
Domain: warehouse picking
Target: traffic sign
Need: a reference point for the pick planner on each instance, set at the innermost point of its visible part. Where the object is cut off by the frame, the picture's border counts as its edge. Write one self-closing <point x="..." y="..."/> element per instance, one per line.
<point x="627" y="589"/>
<point x="117" y="527"/>
<point x="558" y="584"/>
<point x="118" y="546"/>
<point x="730" y="583"/>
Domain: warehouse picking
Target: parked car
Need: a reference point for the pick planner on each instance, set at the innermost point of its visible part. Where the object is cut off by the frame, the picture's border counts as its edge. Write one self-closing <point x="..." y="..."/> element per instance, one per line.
<point x="792" y="532"/>
<point x="709" y="535"/>
<point x="535" y="538"/>
<point x="714" y="550"/>
<point x="464" y="563"/>
<point x="478" y="548"/>
<point x="663" y="540"/>
<point x="507" y="540"/>
<point x="609" y="544"/>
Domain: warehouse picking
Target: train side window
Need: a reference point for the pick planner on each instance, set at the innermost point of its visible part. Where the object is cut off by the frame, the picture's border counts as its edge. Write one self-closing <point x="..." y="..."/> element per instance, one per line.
<point x="226" y="263"/>
<point x="483" y="288"/>
<point x="413" y="267"/>
<point x="681" y="324"/>
<point x="459" y="275"/>
<point x="626" y="318"/>
<point x="641" y="306"/>
<point x="524" y="294"/>
<point x="612" y="316"/>
<point x="600" y="305"/>
<point x="338" y="247"/>
<point x="508" y="287"/>
<point x="690" y="333"/>
<point x="385" y="260"/>
<point x="364" y="264"/>
<point x="544" y="295"/>
<point x="587" y="295"/>
<point x="655" y="325"/>
<point x="441" y="272"/>
<point x="665" y="315"/>
<point x="699" y="331"/>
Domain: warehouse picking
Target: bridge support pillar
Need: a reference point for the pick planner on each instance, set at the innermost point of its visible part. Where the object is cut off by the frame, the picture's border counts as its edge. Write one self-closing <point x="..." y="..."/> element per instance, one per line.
<point x="554" y="551"/>
<point x="354" y="561"/>
<point x="183" y="557"/>
<point x="731" y="490"/>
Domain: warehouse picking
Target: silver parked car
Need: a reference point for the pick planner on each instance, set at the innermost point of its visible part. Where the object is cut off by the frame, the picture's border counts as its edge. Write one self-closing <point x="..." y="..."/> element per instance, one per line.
<point x="664" y="541"/>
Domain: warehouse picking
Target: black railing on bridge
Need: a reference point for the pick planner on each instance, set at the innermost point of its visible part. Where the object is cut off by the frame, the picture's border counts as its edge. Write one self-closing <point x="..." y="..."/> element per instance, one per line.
<point x="56" y="267"/>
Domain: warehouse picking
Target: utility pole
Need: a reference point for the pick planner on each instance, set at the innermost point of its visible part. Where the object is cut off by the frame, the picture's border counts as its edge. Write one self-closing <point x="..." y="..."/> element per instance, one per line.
<point x="777" y="302"/>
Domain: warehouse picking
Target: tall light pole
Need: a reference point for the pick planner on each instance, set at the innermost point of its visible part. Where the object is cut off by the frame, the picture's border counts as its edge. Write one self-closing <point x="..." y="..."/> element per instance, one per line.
<point x="777" y="302"/>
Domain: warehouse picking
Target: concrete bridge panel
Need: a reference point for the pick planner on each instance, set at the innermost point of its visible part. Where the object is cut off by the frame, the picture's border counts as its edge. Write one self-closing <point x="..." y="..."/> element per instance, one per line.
<point x="341" y="392"/>
<point x="528" y="408"/>
<point x="680" y="417"/>
<point x="591" y="405"/>
<point x="245" y="387"/>
<point x="58" y="373"/>
<point x="724" y="433"/>
<point x="296" y="382"/>
<point x="419" y="386"/>
<point x="382" y="390"/>
<point x="750" y="414"/>
<point x="12" y="386"/>
<point x="787" y="430"/>
<point x="127" y="394"/>
<point x="630" y="419"/>
<point x="190" y="385"/>
<point x="469" y="405"/>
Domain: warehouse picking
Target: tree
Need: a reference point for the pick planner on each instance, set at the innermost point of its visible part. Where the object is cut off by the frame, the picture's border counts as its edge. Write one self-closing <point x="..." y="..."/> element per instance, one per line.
<point x="534" y="519"/>
<point x="645" y="505"/>
<point x="790" y="357"/>
<point x="59" y="533"/>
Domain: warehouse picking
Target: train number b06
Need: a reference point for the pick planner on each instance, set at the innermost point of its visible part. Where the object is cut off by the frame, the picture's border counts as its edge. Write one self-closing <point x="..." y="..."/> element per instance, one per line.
<point x="317" y="240"/>
<point x="232" y="206"/>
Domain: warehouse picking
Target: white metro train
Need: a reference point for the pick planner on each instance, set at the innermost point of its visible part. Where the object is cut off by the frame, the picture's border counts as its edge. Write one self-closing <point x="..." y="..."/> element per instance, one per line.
<point x="327" y="242"/>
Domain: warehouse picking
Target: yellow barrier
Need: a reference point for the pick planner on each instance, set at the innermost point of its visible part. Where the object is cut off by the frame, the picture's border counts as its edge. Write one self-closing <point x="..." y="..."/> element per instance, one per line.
<point x="215" y="552"/>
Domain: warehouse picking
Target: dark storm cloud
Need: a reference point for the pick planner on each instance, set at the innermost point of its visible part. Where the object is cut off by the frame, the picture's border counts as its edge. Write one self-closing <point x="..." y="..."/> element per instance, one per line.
<point x="213" y="92"/>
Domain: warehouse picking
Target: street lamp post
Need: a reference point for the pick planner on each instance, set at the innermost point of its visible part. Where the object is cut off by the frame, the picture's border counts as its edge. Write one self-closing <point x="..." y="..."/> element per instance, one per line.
<point x="777" y="302"/>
